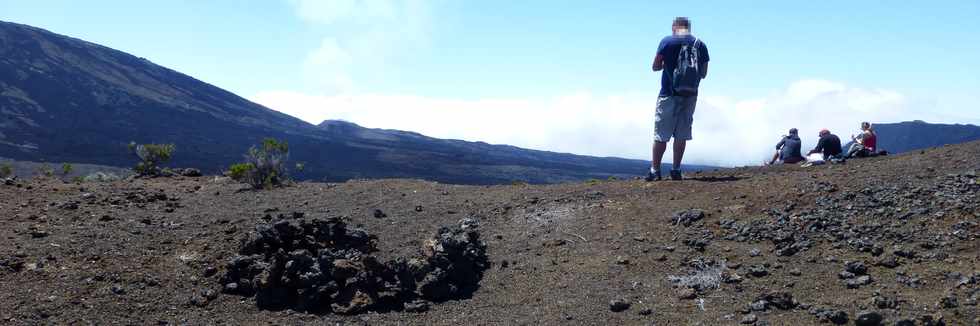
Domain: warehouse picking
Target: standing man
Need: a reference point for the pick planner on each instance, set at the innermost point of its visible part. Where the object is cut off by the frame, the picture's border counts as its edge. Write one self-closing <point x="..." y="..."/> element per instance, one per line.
<point x="684" y="61"/>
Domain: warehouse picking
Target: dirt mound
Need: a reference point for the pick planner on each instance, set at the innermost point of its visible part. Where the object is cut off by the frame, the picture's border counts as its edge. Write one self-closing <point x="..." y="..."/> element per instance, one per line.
<point x="322" y="266"/>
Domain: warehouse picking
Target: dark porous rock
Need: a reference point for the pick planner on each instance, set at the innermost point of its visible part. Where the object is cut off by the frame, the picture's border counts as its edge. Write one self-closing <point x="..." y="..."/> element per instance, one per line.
<point x="884" y="303"/>
<point x="379" y="214"/>
<point x="188" y="172"/>
<point x="824" y="315"/>
<point x="759" y="305"/>
<point x="932" y="320"/>
<point x="322" y="266"/>
<point x="687" y="217"/>
<point x="856" y="267"/>
<point x="417" y="306"/>
<point x="646" y="312"/>
<point x="868" y="318"/>
<point x="905" y="322"/>
<point x="687" y="294"/>
<point x="888" y="262"/>
<point x="949" y="301"/>
<point x="554" y="243"/>
<point x="619" y="305"/>
<point x="758" y="271"/>
<point x="779" y="300"/>
<point x="858" y="282"/>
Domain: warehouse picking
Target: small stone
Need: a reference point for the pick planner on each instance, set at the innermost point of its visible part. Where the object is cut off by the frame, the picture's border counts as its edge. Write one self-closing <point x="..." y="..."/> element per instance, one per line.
<point x="858" y="282"/>
<point x="905" y="322"/>
<point x="554" y="243"/>
<point x="949" y="301"/>
<point x="759" y="305"/>
<point x="210" y="271"/>
<point x="417" y="306"/>
<point x="619" y="305"/>
<point x="418" y="208"/>
<point x="620" y="260"/>
<point x="755" y="252"/>
<point x="210" y="295"/>
<point x="868" y="318"/>
<point x="758" y="271"/>
<point x="888" y="262"/>
<point x="687" y="294"/>
<point x="795" y="272"/>
<point x="231" y="288"/>
<point x="379" y="214"/>
<point x="117" y="289"/>
<point x="749" y="319"/>
<point x="856" y="267"/>
<point x="646" y="312"/>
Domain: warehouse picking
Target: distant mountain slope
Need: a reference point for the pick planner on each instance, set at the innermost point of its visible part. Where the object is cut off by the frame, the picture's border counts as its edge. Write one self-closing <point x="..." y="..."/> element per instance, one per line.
<point x="68" y="100"/>
<point x="915" y="135"/>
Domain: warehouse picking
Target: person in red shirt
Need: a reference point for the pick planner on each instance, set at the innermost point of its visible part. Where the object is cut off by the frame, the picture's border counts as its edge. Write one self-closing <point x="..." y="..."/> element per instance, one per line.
<point x="865" y="143"/>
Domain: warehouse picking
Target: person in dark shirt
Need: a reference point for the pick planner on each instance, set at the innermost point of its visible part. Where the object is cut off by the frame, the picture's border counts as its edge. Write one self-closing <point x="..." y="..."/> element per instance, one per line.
<point x="829" y="145"/>
<point x="788" y="150"/>
<point x="674" y="115"/>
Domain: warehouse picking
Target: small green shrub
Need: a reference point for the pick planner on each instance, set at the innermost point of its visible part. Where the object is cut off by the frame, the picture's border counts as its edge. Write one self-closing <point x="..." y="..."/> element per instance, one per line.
<point x="66" y="169"/>
<point x="151" y="156"/>
<point x="612" y="178"/>
<point x="45" y="170"/>
<point x="6" y="170"/>
<point x="264" y="166"/>
<point x="78" y="179"/>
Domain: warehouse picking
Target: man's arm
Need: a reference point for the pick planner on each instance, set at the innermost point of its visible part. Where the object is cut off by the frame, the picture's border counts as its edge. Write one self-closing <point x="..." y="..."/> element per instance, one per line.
<point x="781" y="143"/>
<point x="819" y="148"/>
<point x="658" y="62"/>
<point x="704" y="71"/>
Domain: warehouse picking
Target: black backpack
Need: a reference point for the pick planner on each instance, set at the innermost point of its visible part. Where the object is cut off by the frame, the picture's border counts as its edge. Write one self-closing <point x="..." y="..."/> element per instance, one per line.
<point x="687" y="74"/>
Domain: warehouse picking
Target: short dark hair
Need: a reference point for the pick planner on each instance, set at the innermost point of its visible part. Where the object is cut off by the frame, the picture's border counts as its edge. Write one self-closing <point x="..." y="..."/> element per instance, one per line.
<point x="682" y="22"/>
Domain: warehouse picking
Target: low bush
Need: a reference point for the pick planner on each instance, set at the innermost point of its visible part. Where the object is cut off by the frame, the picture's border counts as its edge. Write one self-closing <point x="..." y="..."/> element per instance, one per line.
<point x="264" y="166"/>
<point x="6" y="170"/>
<point x="151" y="156"/>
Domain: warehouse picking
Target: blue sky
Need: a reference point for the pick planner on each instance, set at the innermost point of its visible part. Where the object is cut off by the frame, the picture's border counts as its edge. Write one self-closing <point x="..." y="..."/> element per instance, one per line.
<point x="557" y="75"/>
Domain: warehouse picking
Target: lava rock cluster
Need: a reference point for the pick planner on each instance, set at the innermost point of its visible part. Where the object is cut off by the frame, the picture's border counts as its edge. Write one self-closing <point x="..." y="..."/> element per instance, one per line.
<point x="322" y="266"/>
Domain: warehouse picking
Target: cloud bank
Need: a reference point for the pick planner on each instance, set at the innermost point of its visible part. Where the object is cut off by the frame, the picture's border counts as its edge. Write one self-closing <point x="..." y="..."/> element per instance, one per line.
<point x="727" y="131"/>
<point x="360" y="37"/>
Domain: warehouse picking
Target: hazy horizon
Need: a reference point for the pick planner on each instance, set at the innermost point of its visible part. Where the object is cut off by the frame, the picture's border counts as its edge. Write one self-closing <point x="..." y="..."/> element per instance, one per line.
<point x="556" y="76"/>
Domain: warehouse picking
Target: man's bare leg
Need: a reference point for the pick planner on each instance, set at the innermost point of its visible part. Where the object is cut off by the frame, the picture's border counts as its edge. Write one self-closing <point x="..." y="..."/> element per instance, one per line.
<point x="774" y="158"/>
<point x="679" y="147"/>
<point x="659" y="148"/>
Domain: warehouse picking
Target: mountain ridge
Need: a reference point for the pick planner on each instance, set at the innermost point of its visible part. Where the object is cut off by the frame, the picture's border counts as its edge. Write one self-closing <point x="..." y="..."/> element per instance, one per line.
<point x="69" y="100"/>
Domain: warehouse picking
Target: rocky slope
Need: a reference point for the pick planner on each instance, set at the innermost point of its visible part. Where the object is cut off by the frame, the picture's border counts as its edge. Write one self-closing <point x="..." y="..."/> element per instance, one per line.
<point x="890" y="240"/>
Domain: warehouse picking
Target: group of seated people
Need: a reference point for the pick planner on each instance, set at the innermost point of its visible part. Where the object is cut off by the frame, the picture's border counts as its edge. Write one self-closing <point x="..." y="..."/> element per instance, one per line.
<point x="788" y="150"/>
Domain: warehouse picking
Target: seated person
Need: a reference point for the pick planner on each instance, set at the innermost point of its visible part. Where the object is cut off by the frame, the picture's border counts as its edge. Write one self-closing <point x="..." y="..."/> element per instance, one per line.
<point x="864" y="143"/>
<point x="828" y="146"/>
<point x="788" y="149"/>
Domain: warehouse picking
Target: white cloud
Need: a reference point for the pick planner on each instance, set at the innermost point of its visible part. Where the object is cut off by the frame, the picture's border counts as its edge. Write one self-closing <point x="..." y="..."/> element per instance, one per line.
<point x="727" y="131"/>
<point x="360" y="38"/>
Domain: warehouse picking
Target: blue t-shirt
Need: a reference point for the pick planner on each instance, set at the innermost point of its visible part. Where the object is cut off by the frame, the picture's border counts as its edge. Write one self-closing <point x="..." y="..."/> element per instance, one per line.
<point x="670" y="48"/>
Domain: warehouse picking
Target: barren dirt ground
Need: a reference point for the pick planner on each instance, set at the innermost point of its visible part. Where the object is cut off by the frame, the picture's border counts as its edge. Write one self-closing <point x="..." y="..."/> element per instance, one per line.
<point x="888" y="237"/>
